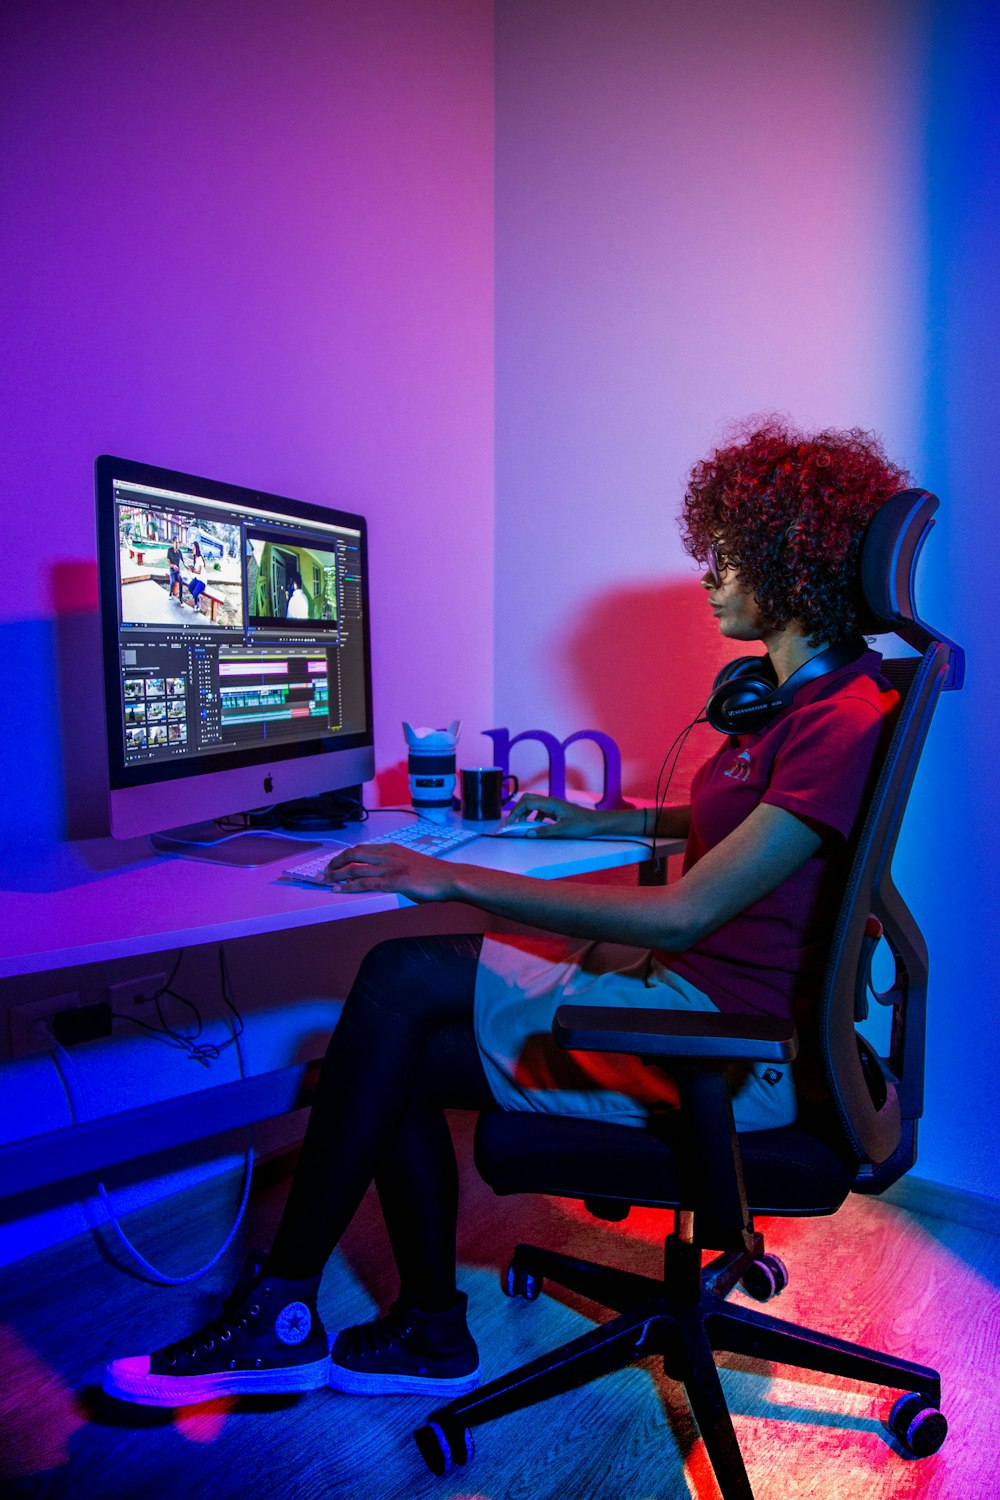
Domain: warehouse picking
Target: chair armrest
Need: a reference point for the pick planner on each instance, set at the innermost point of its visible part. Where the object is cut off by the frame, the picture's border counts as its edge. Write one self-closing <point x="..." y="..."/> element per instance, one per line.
<point x="701" y="1035"/>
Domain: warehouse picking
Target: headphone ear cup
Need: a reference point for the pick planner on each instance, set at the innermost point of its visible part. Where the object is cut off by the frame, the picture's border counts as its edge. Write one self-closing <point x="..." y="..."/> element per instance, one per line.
<point x="746" y="690"/>
<point x="741" y="666"/>
<point x="741" y="705"/>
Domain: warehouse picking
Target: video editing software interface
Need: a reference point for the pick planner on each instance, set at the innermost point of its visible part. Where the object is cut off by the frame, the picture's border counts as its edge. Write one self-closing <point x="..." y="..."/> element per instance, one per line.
<point x="239" y="628"/>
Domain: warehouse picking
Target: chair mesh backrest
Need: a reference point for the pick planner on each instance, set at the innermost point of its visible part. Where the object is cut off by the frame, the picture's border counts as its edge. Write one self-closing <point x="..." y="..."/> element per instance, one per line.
<point x="879" y="1099"/>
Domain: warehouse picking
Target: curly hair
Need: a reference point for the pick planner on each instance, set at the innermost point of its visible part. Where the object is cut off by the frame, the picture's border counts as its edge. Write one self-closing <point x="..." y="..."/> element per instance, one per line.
<point x="788" y="509"/>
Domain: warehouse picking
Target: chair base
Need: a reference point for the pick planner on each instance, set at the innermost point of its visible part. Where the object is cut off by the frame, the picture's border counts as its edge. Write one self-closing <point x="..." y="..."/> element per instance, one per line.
<point x="685" y="1320"/>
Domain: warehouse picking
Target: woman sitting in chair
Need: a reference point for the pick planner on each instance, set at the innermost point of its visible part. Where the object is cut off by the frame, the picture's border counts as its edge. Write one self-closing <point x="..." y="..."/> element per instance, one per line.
<point x="464" y="1022"/>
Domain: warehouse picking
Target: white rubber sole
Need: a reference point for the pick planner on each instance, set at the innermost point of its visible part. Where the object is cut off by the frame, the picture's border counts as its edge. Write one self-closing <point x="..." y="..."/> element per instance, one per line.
<point x="128" y="1381"/>
<point x="357" y="1383"/>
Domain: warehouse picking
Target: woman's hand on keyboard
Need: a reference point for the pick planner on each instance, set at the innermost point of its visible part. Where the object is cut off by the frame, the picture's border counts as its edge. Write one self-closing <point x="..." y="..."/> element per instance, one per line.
<point x="390" y="867"/>
<point x="554" y="818"/>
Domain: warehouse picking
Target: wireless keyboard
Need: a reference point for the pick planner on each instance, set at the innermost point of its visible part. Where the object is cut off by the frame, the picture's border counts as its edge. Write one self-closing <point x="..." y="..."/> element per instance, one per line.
<point x="425" y="837"/>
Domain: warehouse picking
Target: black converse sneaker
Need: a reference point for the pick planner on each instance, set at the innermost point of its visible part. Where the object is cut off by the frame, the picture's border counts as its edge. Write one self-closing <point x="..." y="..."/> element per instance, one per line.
<point x="407" y="1352"/>
<point x="269" y="1340"/>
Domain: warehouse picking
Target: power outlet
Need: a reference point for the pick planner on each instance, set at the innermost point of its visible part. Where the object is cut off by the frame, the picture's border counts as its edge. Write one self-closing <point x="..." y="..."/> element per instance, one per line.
<point x="28" y="1034"/>
<point x="134" y="996"/>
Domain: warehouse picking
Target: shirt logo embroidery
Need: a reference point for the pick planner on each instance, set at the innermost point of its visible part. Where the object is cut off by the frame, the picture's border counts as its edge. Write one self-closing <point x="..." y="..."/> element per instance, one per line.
<point x="771" y="1076"/>
<point x="740" y="768"/>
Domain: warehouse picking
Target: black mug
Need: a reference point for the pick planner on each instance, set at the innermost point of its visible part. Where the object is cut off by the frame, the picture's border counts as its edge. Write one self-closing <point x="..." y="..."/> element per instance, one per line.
<point x="484" y="791"/>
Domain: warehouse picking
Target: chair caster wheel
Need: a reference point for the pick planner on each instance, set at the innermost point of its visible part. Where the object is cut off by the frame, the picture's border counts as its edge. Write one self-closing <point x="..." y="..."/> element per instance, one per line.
<point x="443" y="1451"/>
<point x="520" y="1283"/>
<point x="917" y="1425"/>
<point x="765" y="1278"/>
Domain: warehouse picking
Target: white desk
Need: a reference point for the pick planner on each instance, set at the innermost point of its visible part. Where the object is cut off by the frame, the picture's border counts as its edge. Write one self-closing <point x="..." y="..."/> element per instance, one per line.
<point x="98" y="900"/>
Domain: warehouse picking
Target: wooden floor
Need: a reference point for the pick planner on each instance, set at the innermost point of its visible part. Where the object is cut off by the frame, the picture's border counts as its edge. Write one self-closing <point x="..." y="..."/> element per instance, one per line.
<point x="925" y="1289"/>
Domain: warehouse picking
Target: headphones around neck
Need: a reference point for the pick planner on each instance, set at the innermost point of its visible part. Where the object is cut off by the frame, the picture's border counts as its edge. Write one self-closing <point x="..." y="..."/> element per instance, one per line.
<point x="745" y="696"/>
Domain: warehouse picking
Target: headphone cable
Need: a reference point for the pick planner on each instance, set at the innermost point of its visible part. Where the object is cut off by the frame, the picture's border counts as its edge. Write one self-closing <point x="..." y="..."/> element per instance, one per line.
<point x="659" y="803"/>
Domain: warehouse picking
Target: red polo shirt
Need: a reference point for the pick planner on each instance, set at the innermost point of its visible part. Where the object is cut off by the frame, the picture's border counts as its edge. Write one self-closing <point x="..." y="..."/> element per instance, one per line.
<point x="815" y="760"/>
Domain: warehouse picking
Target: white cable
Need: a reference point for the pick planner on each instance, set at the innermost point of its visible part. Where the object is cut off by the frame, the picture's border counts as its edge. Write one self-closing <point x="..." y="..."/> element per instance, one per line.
<point x="66" y="1070"/>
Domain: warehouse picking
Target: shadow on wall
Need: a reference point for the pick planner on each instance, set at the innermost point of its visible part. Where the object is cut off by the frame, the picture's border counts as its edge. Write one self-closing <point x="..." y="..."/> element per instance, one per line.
<point x="640" y="664"/>
<point x="53" y="757"/>
<point x="392" y="785"/>
<point x="80" y="682"/>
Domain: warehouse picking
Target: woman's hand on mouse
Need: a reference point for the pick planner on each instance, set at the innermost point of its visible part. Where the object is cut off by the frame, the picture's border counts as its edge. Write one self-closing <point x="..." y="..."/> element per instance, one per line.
<point x="554" y="817"/>
<point x="390" y="867"/>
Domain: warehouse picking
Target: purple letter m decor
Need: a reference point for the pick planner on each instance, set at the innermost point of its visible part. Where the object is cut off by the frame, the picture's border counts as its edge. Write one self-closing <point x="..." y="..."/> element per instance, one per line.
<point x="556" y="749"/>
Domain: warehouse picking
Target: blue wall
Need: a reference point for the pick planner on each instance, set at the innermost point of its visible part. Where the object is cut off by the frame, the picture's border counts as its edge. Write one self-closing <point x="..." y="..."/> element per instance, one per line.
<point x="947" y="864"/>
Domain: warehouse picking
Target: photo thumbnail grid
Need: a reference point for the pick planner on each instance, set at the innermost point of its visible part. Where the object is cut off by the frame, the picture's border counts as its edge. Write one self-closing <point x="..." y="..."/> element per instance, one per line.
<point x="155" y="711"/>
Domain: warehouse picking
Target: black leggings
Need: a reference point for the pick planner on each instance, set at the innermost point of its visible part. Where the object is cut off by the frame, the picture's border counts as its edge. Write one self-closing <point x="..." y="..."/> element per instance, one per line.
<point x="402" y="1053"/>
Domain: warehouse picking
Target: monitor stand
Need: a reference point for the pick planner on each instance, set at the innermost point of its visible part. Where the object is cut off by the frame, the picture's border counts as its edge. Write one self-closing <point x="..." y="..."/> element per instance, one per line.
<point x="246" y="848"/>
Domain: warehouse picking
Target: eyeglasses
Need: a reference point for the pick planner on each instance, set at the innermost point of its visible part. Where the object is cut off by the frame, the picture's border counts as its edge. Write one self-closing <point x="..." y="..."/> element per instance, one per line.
<point x="717" y="562"/>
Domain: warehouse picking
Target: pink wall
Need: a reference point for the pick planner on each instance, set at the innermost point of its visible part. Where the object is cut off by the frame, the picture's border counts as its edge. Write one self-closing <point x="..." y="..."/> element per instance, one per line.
<point x="251" y="240"/>
<point x="700" y="211"/>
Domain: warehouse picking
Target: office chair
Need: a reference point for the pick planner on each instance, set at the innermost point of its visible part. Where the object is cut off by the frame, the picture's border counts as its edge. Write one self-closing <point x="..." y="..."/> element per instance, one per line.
<point x="861" y="1140"/>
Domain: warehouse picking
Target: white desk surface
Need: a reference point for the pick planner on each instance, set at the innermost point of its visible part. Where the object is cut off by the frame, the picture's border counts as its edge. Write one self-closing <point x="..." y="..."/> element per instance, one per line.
<point x="99" y="899"/>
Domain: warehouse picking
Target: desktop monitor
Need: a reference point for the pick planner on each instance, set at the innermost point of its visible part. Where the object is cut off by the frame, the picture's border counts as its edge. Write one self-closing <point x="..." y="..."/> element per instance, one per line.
<point x="236" y="649"/>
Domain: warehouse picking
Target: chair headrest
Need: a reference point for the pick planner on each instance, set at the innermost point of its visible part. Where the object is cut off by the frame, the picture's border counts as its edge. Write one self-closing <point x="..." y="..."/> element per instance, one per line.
<point x="890" y="548"/>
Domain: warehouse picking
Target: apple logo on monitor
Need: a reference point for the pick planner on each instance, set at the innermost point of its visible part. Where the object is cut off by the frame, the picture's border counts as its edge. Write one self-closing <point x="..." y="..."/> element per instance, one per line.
<point x="268" y="783"/>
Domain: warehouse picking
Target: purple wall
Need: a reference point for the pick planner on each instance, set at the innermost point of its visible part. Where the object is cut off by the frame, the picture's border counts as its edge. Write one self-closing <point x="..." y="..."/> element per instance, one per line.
<point x="251" y="240"/>
<point x="254" y="240"/>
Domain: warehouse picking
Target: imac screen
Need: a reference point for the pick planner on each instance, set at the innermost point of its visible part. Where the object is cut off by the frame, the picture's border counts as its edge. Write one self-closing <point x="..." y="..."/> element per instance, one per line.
<point x="235" y="636"/>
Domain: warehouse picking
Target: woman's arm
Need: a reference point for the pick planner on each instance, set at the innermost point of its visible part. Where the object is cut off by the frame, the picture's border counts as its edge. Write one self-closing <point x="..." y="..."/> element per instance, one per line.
<point x="768" y="847"/>
<point x="555" y="818"/>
